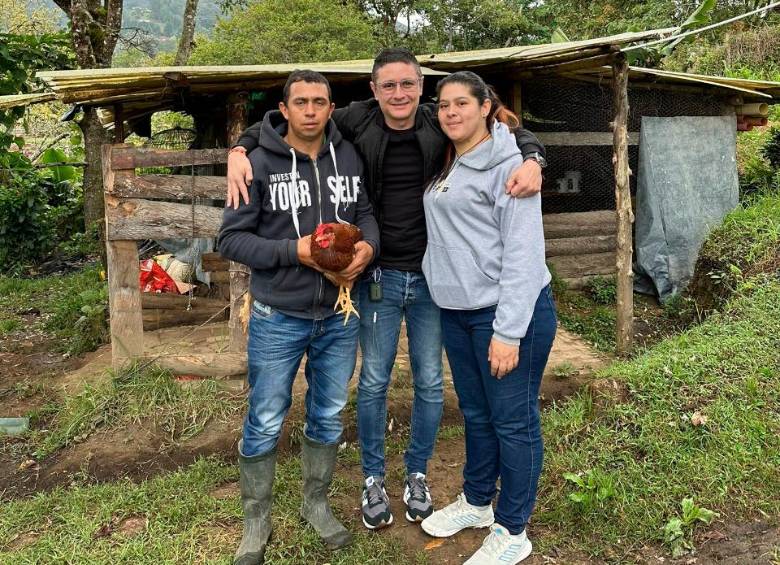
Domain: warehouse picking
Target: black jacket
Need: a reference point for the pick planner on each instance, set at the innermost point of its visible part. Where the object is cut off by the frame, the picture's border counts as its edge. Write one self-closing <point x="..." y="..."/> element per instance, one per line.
<point x="263" y="234"/>
<point x="362" y="123"/>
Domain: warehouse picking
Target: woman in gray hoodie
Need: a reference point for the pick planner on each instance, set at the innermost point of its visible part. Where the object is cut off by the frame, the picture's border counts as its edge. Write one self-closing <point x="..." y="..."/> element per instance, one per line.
<point x="485" y="269"/>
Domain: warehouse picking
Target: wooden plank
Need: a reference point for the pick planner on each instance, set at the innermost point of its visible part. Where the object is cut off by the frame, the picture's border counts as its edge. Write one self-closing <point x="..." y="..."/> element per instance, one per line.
<point x="132" y="157"/>
<point x="578" y="283"/>
<point x="173" y="187"/>
<point x="148" y="219"/>
<point x="157" y="318"/>
<point x="625" y="216"/>
<point x="124" y="294"/>
<point x="169" y="301"/>
<point x="204" y="364"/>
<point x="554" y="232"/>
<point x="573" y="266"/>
<point x="212" y="262"/>
<point x="239" y="274"/>
<point x="595" y="217"/>
<point x="580" y="245"/>
<point x="580" y="138"/>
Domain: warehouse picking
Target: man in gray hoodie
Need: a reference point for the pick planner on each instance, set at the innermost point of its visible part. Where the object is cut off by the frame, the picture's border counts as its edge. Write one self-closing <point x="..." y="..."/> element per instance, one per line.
<point x="304" y="175"/>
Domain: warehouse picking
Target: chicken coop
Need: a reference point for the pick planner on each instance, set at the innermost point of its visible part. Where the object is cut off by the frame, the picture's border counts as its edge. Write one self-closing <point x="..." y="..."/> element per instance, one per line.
<point x="582" y="100"/>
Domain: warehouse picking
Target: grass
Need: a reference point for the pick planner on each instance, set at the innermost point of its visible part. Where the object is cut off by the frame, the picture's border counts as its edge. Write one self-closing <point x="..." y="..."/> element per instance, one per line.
<point x="646" y="450"/>
<point x="180" y="412"/>
<point x="72" y="307"/>
<point x="185" y="523"/>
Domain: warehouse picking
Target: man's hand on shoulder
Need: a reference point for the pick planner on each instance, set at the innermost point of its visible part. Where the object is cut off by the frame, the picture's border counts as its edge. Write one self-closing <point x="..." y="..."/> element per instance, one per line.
<point x="525" y="180"/>
<point x="239" y="177"/>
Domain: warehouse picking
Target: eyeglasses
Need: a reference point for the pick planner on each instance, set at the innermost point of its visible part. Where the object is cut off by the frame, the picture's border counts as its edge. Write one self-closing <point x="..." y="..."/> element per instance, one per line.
<point x="407" y="85"/>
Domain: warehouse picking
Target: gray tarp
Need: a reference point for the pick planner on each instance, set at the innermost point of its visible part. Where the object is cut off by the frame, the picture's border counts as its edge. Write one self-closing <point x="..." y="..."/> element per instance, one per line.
<point x="687" y="182"/>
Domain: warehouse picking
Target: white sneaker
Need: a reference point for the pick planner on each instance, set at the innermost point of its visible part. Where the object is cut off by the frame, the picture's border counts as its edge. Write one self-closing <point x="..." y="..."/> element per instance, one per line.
<point x="456" y="517"/>
<point x="501" y="548"/>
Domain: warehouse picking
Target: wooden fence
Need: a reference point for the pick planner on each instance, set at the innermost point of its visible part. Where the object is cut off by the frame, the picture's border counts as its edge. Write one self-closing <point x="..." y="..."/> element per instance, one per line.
<point x="161" y="206"/>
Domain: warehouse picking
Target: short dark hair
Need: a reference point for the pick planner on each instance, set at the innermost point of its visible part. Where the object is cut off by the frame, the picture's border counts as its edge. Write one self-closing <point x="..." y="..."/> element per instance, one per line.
<point x="394" y="55"/>
<point x="304" y="75"/>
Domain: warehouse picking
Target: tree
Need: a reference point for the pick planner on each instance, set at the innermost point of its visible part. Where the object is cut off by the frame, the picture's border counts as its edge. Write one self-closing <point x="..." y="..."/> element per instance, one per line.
<point x="186" y="42"/>
<point x="306" y="30"/>
<point x="94" y="29"/>
<point x="462" y="25"/>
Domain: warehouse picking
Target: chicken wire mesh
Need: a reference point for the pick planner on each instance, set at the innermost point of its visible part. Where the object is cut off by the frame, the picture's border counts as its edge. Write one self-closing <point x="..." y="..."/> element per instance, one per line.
<point x="580" y="178"/>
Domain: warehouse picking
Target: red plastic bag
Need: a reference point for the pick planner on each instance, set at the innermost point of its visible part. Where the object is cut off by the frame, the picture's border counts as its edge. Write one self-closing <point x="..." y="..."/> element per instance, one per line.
<point x="154" y="278"/>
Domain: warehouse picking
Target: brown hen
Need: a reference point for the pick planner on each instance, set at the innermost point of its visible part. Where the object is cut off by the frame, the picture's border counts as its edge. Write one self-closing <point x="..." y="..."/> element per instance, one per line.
<point x="333" y="249"/>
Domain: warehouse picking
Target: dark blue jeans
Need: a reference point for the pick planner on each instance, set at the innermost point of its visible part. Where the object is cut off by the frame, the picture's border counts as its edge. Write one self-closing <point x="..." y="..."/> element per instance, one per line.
<point x="275" y="348"/>
<point x="503" y="429"/>
<point x="405" y="295"/>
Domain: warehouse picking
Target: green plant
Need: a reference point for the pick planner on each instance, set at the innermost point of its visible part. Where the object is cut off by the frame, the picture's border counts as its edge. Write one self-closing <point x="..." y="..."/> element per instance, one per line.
<point x="678" y="530"/>
<point x="564" y="370"/>
<point x="8" y="326"/>
<point x="25" y="231"/>
<point x="771" y="150"/>
<point x="603" y="290"/>
<point x="81" y="317"/>
<point x="594" y="489"/>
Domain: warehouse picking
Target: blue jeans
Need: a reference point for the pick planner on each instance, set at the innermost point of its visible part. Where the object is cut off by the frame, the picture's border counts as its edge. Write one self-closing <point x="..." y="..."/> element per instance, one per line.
<point x="503" y="429"/>
<point x="405" y="294"/>
<point x="275" y="348"/>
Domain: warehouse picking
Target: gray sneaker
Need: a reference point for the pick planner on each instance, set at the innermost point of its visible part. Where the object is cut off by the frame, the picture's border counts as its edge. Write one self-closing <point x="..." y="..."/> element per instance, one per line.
<point x="376" y="505"/>
<point x="417" y="498"/>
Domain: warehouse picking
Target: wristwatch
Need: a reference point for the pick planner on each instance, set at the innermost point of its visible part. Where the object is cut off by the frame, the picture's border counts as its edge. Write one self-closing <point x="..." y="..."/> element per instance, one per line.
<point x="538" y="157"/>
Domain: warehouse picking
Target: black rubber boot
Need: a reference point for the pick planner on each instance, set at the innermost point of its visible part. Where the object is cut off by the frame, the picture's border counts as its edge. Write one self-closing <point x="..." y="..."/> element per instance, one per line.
<point x="257" y="481"/>
<point x="318" y="463"/>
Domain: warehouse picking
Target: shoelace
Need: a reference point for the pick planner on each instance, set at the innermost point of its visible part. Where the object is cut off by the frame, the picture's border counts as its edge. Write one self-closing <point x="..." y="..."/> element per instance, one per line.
<point x="493" y="544"/>
<point x="417" y="488"/>
<point x="456" y="507"/>
<point x="374" y="494"/>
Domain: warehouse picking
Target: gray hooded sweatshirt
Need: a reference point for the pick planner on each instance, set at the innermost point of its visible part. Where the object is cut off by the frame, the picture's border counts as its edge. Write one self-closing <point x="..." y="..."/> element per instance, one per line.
<point x="486" y="248"/>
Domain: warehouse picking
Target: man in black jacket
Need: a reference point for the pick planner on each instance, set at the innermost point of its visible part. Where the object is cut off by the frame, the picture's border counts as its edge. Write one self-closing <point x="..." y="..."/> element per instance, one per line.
<point x="304" y="174"/>
<point x="403" y="147"/>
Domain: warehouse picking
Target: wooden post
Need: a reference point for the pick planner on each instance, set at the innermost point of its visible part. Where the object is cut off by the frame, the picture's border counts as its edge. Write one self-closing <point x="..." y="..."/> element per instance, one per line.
<point x="124" y="294"/>
<point x="625" y="217"/>
<point x="239" y="274"/>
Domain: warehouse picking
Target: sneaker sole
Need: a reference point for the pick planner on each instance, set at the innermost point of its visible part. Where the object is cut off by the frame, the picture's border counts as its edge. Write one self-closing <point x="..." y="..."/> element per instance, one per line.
<point x="378" y="526"/>
<point x="447" y="533"/>
<point x="415" y="520"/>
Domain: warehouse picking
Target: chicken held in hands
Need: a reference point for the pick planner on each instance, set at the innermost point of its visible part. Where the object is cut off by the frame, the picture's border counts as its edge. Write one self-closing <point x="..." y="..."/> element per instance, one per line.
<point x="333" y="249"/>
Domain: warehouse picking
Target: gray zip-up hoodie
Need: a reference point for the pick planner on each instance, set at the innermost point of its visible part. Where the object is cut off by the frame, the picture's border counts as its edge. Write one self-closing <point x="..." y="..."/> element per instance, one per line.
<point x="485" y="247"/>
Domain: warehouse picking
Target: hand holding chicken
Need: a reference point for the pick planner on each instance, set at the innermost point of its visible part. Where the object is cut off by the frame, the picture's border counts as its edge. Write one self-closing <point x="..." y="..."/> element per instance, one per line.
<point x="333" y="248"/>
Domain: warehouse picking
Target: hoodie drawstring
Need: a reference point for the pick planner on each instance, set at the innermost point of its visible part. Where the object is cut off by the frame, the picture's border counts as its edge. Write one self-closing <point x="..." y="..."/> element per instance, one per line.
<point x="292" y="192"/>
<point x="338" y="184"/>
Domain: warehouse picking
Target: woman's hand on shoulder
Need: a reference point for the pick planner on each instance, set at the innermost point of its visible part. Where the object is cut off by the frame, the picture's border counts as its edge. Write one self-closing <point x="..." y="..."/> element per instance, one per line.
<point x="502" y="357"/>
<point x="525" y="180"/>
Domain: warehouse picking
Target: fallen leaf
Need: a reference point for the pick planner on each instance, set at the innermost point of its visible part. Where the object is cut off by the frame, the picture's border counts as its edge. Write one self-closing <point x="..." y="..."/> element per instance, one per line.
<point x="434" y="544"/>
<point x="698" y="419"/>
<point x="28" y="464"/>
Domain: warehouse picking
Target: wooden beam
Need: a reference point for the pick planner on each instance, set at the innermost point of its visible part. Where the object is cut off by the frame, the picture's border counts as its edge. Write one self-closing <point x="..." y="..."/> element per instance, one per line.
<point x="172" y="187"/>
<point x="170" y="301"/>
<point x="138" y="219"/>
<point x="568" y="266"/>
<point x="119" y="124"/>
<point x="239" y="274"/>
<point x="157" y="318"/>
<point x="580" y="138"/>
<point x="204" y="364"/>
<point x="124" y="294"/>
<point x="214" y="262"/>
<point x="625" y="216"/>
<point x="132" y="157"/>
<point x="580" y="245"/>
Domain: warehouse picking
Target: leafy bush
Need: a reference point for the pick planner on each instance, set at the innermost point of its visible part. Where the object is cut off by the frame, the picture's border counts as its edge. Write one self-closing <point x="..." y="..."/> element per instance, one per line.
<point x="25" y="230"/>
<point x="746" y="245"/>
<point x="80" y="316"/>
<point x="603" y="290"/>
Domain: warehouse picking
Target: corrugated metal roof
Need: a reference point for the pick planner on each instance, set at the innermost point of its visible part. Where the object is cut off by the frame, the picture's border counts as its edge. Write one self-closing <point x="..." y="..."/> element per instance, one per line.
<point x="146" y="89"/>
<point x="16" y="100"/>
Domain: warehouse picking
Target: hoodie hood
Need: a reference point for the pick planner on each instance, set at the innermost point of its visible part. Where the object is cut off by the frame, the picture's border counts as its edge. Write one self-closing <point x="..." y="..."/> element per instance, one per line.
<point x="274" y="129"/>
<point x="501" y="146"/>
